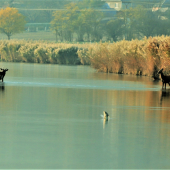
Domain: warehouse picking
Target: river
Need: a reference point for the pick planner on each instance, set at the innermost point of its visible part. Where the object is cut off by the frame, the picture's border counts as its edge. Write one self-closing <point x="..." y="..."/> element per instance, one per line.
<point x="51" y="118"/>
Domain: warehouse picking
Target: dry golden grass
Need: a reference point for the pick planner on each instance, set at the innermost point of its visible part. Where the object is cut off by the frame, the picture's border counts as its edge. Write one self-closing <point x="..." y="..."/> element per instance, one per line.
<point x="39" y="52"/>
<point x="137" y="57"/>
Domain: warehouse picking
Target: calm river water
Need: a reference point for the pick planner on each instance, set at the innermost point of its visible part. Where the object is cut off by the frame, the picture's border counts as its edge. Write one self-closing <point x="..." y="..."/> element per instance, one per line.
<point x="51" y="118"/>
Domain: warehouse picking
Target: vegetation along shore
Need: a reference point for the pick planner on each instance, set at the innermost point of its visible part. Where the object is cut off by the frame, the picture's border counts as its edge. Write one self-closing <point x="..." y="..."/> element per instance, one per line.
<point x="136" y="57"/>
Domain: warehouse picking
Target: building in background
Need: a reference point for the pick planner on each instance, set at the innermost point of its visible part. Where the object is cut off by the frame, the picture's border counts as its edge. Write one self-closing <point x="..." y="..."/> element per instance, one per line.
<point x="125" y="4"/>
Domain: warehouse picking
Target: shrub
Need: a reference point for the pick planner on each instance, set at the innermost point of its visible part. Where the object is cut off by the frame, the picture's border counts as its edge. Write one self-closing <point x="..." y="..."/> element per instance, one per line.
<point x="41" y="55"/>
<point x="83" y="54"/>
<point x="68" y="56"/>
<point x="27" y="52"/>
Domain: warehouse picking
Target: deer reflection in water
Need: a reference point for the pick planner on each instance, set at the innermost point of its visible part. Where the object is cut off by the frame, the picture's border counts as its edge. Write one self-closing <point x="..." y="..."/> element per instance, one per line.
<point x="105" y="118"/>
<point x="2" y="86"/>
<point x="105" y="122"/>
<point x="165" y="95"/>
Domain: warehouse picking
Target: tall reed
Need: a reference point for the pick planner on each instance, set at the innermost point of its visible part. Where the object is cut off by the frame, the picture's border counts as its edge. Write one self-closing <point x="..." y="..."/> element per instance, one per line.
<point x="39" y="52"/>
<point x="137" y="57"/>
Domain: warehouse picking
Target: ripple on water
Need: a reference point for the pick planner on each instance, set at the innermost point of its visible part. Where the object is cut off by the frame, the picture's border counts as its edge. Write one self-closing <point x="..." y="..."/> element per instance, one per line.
<point x="85" y="84"/>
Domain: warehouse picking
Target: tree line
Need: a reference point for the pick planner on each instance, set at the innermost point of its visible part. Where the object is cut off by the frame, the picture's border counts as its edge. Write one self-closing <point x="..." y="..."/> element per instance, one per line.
<point x="83" y="21"/>
<point x="90" y="24"/>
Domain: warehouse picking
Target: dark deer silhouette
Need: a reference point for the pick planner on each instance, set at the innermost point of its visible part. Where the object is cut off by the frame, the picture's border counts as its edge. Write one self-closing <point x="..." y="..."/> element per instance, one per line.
<point x="165" y="79"/>
<point x="2" y="73"/>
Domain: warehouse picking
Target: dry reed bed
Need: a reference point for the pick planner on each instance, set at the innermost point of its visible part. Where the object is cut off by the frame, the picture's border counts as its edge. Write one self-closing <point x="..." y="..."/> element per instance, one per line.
<point x="137" y="57"/>
<point x="39" y="52"/>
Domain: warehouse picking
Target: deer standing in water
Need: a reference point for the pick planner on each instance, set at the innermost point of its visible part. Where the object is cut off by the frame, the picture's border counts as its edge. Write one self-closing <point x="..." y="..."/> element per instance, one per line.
<point x="165" y="79"/>
<point x="2" y="74"/>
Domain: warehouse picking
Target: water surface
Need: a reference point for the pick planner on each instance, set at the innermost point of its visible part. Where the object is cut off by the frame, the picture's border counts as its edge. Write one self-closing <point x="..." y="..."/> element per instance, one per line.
<point x="50" y="118"/>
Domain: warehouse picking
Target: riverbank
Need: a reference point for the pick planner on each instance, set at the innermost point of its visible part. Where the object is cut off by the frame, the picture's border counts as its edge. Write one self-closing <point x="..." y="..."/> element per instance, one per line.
<point x="136" y="57"/>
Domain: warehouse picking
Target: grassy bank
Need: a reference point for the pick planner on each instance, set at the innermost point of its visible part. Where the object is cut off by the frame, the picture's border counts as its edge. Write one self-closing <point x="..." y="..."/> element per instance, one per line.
<point x="40" y="35"/>
<point x="137" y="57"/>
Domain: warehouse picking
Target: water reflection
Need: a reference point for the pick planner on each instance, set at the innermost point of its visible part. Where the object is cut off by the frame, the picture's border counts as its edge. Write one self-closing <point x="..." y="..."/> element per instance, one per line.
<point x="59" y="127"/>
<point x="105" y="122"/>
<point x="165" y="95"/>
<point x="2" y="86"/>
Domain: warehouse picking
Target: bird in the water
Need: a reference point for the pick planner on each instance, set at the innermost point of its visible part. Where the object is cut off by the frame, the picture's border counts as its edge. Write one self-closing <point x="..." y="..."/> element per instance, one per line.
<point x="106" y="115"/>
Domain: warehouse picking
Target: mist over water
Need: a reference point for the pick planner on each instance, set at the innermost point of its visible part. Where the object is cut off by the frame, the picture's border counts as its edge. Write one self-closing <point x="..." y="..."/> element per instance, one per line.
<point x="50" y="117"/>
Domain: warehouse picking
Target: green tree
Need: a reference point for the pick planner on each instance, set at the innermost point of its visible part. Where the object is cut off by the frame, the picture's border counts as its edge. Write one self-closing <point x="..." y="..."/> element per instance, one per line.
<point x="65" y="21"/>
<point x="115" y="29"/>
<point x="89" y="21"/>
<point x="58" y="24"/>
<point x="140" y="22"/>
<point x="165" y="23"/>
<point x="72" y="13"/>
<point x="91" y="24"/>
<point x="162" y="27"/>
<point x="73" y="20"/>
<point x="124" y="16"/>
<point x="11" y="21"/>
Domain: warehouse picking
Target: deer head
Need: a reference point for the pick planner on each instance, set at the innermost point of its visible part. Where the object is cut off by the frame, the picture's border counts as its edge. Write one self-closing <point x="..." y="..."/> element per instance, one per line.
<point x="4" y="70"/>
<point x="160" y="71"/>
